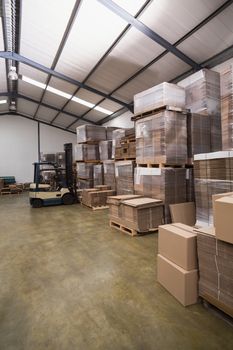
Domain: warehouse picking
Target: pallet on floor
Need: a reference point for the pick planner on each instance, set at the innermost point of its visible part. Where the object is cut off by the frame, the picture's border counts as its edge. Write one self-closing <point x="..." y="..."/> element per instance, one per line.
<point x="128" y="230"/>
<point x="162" y="165"/>
<point x="98" y="207"/>
<point x="125" y="158"/>
<point x="158" y="110"/>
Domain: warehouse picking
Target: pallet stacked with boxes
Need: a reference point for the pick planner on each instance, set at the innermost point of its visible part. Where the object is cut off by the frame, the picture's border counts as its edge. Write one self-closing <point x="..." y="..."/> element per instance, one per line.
<point x="227" y="107"/>
<point x="96" y="198"/>
<point x="87" y="153"/>
<point x="161" y="144"/>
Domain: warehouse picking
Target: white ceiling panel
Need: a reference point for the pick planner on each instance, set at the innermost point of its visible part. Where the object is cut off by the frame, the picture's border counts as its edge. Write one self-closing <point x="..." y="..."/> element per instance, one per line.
<point x="43" y="25"/>
<point x="165" y="69"/>
<point x="133" y="52"/>
<point x="1" y="36"/>
<point x="76" y="108"/>
<point x="62" y="85"/>
<point x="110" y="105"/>
<point x="26" y="107"/>
<point x="54" y="100"/>
<point x="29" y="90"/>
<point x="211" y="39"/>
<point x="64" y="120"/>
<point x="94" y="30"/>
<point x="95" y="116"/>
<point x="131" y="6"/>
<point x="173" y="19"/>
<point x="3" y="83"/>
<point x="46" y="114"/>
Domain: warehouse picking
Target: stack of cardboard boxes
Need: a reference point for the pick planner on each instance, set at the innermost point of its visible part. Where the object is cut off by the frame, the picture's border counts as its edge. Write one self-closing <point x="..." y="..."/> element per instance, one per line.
<point x="96" y="197"/>
<point x="227" y="108"/>
<point x="124" y="171"/>
<point x="177" y="262"/>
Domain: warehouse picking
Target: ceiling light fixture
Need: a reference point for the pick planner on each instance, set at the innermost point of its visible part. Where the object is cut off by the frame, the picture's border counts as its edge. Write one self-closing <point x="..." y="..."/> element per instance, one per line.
<point x="65" y="95"/>
<point x="2" y="102"/>
<point x="12" y="75"/>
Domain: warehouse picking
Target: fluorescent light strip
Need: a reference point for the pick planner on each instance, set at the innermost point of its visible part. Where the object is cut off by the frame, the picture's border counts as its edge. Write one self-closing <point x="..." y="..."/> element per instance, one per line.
<point x="2" y="102"/>
<point x="65" y="95"/>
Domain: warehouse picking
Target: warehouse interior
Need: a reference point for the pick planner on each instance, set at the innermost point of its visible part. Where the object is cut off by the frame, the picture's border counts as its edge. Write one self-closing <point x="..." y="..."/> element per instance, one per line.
<point x="116" y="174"/>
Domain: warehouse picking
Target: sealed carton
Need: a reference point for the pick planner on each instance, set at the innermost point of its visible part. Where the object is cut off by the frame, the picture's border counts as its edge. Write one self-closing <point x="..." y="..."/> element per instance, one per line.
<point x="224" y="219"/>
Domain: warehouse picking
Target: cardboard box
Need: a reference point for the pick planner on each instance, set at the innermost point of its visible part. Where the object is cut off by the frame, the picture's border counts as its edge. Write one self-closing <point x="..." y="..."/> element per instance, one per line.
<point x="184" y="213"/>
<point x="218" y="196"/>
<point x="224" y="219"/>
<point x="180" y="283"/>
<point x="178" y="245"/>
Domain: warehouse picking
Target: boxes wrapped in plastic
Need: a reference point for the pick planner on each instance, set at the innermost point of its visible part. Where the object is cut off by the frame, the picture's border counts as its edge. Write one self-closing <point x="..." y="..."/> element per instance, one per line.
<point x="90" y="133"/>
<point x="215" y="271"/>
<point x="199" y="134"/>
<point x="84" y="183"/>
<point x="98" y="174"/>
<point x="162" y="138"/>
<point x="85" y="152"/>
<point x="227" y="108"/>
<point x="190" y="196"/>
<point x="85" y="170"/>
<point x="167" y="184"/>
<point x="109" y="174"/>
<point x="124" y="171"/>
<point x="118" y="135"/>
<point x="203" y="97"/>
<point x="165" y="94"/>
<point x="213" y="174"/>
<point x="105" y="150"/>
<point x="109" y="131"/>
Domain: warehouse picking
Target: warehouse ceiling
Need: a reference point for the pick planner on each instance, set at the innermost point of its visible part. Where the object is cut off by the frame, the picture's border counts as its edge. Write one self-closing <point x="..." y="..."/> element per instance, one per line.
<point x="83" y="61"/>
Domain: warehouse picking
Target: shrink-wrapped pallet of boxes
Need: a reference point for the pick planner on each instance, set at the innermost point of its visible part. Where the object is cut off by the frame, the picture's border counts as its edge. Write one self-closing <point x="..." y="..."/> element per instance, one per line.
<point x="86" y="152"/>
<point x="162" y="138"/>
<point x="198" y="135"/>
<point x="165" y="94"/>
<point x="90" y="133"/>
<point x="109" y="131"/>
<point x="85" y="170"/>
<point x="167" y="184"/>
<point x="109" y="173"/>
<point x="117" y="136"/>
<point x="203" y="97"/>
<point x="98" y="174"/>
<point x="227" y="107"/>
<point x="213" y="174"/>
<point x="139" y="215"/>
<point x="124" y="172"/>
<point x="105" y="150"/>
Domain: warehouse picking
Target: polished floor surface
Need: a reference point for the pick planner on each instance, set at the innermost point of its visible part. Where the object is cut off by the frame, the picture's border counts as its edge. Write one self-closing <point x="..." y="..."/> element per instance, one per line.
<point x="68" y="281"/>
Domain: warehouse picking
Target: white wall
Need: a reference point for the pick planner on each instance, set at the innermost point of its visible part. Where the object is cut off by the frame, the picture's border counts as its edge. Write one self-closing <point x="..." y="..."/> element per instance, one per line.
<point x="19" y="145"/>
<point x="123" y="121"/>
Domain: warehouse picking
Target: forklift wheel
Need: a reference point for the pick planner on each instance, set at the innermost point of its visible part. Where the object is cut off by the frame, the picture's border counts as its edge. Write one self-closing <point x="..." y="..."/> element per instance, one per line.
<point x="68" y="199"/>
<point x="37" y="203"/>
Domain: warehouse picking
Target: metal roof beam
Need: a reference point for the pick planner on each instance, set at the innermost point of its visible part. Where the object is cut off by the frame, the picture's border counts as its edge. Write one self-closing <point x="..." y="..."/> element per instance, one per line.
<point x="114" y="44"/>
<point x="16" y="57"/>
<point x="61" y="46"/>
<point x="149" y="32"/>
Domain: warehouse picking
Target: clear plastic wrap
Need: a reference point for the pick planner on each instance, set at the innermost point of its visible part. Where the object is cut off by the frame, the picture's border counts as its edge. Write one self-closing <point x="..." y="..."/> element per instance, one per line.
<point x="162" y="138"/>
<point x="165" y="94"/>
<point x="88" y="133"/>
<point x="84" y="152"/>
<point x="98" y="174"/>
<point x="124" y="171"/>
<point x="85" y="170"/>
<point x="109" y="174"/>
<point x="105" y="150"/>
<point x="227" y="108"/>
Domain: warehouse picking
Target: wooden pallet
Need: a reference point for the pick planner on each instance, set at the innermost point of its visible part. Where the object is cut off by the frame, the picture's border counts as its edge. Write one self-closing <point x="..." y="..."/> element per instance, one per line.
<point x="162" y="165"/>
<point x="127" y="141"/>
<point x="99" y="207"/>
<point x="158" y="110"/>
<point x="126" y="158"/>
<point x="89" y="161"/>
<point x="128" y="230"/>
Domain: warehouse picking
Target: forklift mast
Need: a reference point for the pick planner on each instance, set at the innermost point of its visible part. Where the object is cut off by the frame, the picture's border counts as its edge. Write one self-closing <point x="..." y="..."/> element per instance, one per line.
<point x="69" y="167"/>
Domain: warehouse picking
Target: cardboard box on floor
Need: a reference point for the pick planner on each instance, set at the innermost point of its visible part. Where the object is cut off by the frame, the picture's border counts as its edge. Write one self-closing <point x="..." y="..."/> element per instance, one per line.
<point x="180" y="283"/>
<point x="184" y="213"/>
<point x="178" y="244"/>
<point x="224" y="219"/>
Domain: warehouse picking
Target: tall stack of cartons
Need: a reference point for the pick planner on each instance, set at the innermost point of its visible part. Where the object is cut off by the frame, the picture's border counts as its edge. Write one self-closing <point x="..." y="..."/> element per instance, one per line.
<point x="227" y="107"/>
<point x="213" y="174"/>
<point x="124" y="171"/>
<point x="215" y="255"/>
<point x="109" y="173"/>
<point x="98" y="174"/>
<point x="177" y="262"/>
<point x="161" y="144"/>
<point x="87" y="153"/>
<point x="203" y="97"/>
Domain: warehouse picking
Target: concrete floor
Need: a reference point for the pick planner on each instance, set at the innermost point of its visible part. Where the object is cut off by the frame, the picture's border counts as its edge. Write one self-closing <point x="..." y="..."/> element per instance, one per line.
<point x="68" y="281"/>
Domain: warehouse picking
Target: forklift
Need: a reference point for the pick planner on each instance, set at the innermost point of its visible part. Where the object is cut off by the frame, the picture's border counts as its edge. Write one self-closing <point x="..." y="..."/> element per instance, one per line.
<point x="61" y="189"/>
